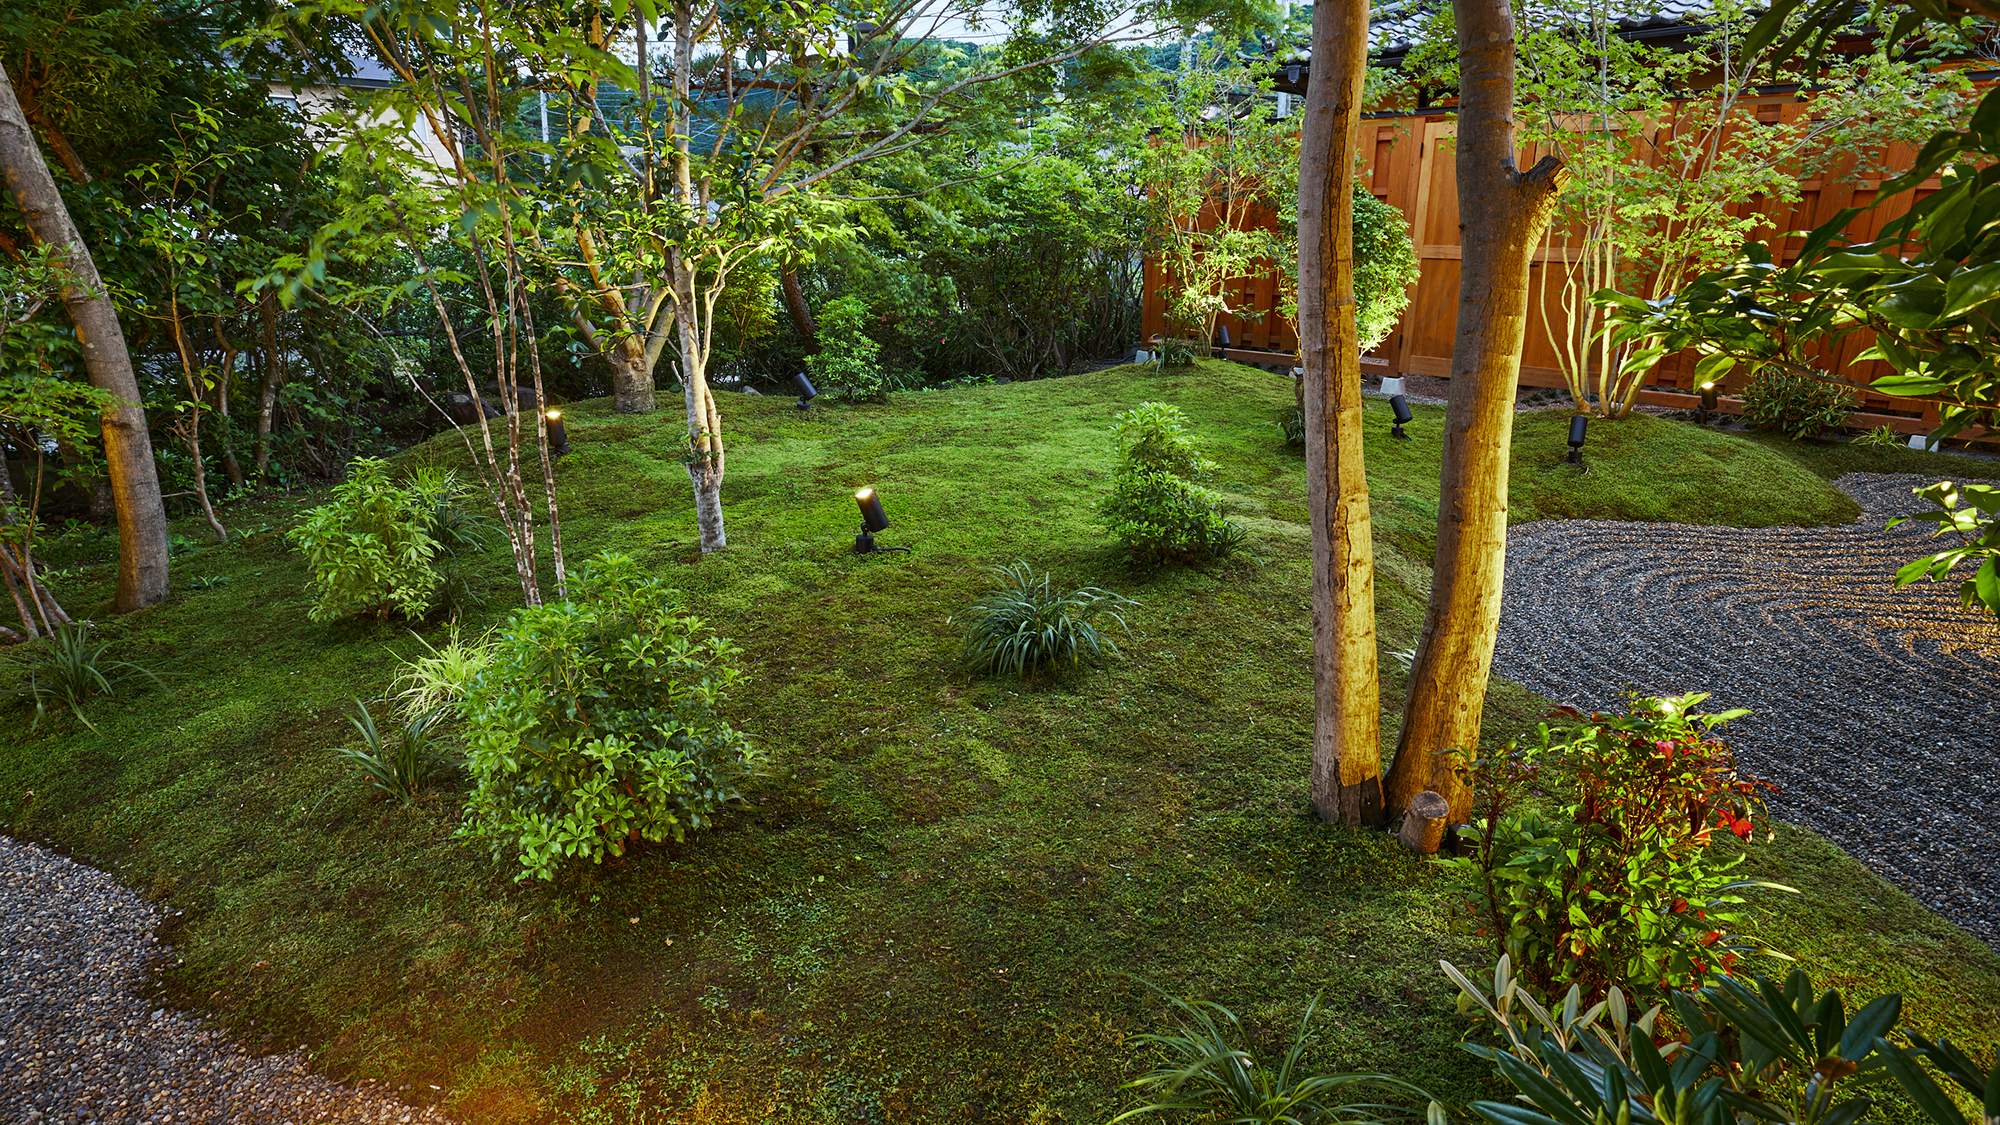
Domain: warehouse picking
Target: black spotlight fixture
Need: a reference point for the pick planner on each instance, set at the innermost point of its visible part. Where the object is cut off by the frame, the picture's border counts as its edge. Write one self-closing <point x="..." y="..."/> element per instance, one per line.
<point x="1578" y="427"/>
<point x="1710" y="399"/>
<point x="1221" y="338"/>
<point x="873" y="519"/>
<point x="1401" y="406"/>
<point x="558" y="437"/>
<point x="807" y="392"/>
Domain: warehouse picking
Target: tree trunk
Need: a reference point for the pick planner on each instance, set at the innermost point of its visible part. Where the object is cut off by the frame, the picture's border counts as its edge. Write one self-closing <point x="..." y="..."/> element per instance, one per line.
<point x="274" y="377"/>
<point x="224" y="371"/>
<point x="1347" y="703"/>
<point x="1503" y="214"/>
<point x="128" y="450"/>
<point x="705" y="453"/>
<point x="801" y="314"/>
<point x="631" y="377"/>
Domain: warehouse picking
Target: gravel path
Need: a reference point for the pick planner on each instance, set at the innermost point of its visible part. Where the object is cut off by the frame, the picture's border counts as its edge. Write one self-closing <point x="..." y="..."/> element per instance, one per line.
<point x="1877" y="710"/>
<point x="78" y="1044"/>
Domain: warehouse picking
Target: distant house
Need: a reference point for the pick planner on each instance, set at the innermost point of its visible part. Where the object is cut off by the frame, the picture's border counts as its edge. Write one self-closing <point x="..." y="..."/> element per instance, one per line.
<point x="337" y="97"/>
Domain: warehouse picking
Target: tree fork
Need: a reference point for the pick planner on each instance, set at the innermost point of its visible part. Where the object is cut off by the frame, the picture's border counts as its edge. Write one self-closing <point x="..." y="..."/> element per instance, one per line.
<point x="1504" y="213"/>
<point x="1347" y="705"/>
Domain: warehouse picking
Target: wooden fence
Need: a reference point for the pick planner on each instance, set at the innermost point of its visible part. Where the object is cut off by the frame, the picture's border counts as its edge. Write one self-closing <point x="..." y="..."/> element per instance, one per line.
<point x="1408" y="162"/>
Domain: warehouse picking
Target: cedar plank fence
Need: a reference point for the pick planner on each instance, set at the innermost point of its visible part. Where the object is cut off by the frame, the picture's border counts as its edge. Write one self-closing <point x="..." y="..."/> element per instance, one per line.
<point x="1407" y="162"/>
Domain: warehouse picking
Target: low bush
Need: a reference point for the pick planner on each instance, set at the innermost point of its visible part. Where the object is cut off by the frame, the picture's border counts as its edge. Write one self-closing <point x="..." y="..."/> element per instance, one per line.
<point x="1747" y="1051"/>
<point x="1795" y="404"/>
<point x="1029" y="626"/>
<point x="1157" y="508"/>
<point x="437" y="676"/>
<point x="1617" y="886"/>
<point x="68" y="667"/>
<point x="402" y="767"/>
<point x="848" y="363"/>
<point x="598" y="721"/>
<point x="1211" y="1071"/>
<point x="371" y="547"/>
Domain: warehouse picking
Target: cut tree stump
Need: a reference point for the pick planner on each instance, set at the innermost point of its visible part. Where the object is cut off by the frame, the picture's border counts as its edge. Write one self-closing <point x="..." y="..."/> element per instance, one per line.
<point x="1424" y="825"/>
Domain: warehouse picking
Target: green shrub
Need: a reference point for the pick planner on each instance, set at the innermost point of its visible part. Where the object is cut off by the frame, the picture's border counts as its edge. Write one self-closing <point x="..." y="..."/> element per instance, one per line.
<point x="597" y="721"/>
<point x="1156" y="507"/>
<point x="1795" y="404"/>
<point x="1292" y="426"/>
<point x="1385" y="267"/>
<point x="1617" y="886"/>
<point x="1883" y="436"/>
<point x="68" y="667"/>
<point x="438" y="676"/>
<point x="399" y="770"/>
<point x="1178" y="352"/>
<point x="1028" y="626"/>
<point x="371" y="547"/>
<point x="1211" y="1071"/>
<point x="848" y="363"/>
<point x="1748" y="1051"/>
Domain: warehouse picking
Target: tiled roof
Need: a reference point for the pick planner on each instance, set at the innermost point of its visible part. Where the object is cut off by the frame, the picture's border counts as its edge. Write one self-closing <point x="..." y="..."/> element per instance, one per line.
<point x="1393" y="27"/>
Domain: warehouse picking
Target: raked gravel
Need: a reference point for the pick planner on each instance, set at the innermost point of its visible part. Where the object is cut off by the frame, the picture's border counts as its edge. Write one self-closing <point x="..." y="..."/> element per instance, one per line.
<point x="1876" y="710"/>
<point x="79" y="1044"/>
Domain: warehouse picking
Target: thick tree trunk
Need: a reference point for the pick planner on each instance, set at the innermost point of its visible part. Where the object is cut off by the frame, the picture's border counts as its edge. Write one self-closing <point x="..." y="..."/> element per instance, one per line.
<point x="631" y="377"/>
<point x="796" y="308"/>
<point x="1347" y="726"/>
<point x="128" y="450"/>
<point x="1503" y="214"/>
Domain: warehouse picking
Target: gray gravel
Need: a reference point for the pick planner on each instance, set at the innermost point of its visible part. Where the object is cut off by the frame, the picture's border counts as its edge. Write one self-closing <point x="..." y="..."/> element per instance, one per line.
<point x="79" y="1044"/>
<point x="1877" y="710"/>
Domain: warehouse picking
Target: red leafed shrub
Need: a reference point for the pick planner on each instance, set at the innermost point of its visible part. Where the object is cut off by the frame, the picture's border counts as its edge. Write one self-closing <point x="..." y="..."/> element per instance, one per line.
<point x="1591" y="861"/>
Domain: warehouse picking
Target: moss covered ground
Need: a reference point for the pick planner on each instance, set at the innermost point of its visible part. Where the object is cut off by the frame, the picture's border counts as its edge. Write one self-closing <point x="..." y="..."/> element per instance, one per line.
<point x="941" y="900"/>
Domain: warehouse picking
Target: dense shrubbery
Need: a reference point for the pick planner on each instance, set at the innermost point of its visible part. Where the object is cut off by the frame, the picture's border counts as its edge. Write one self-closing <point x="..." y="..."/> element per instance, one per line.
<point x="1029" y="626"/>
<point x="848" y="363"/>
<point x="1156" y="507"/>
<point x="370" y="546"/>
<point x="597" y="721"/>
<point x="1385" y="267"/>
<point x="1795" y="404"/>
<point x="1617" y="886"/>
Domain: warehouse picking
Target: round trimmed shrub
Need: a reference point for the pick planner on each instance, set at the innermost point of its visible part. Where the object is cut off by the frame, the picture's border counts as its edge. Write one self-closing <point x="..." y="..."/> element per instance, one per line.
<point x="598" y="721"/>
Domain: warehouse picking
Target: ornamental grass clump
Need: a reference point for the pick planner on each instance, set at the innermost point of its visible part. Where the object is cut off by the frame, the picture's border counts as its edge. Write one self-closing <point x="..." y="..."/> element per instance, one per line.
<point x="1028" y="626"/>
<point x="68" y="666"/>
<point x="1157" y="506"/>
<point x="597" y="722"/>
<point x="401" y="764"/>
<point x="1611" y="880"/>
<point x="1795" y="404"/>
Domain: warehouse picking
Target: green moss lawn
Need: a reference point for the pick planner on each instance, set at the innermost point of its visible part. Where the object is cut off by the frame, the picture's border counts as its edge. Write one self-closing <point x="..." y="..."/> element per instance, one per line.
<point x="937" y="904"/>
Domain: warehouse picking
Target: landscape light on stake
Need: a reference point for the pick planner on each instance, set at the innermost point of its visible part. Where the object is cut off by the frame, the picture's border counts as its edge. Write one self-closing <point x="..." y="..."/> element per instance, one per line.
<point x="1710" y="398"/>
<point x="1221" y="337"/>
<point x="1401" y="406"/>
<point x="807" y="392"/>
<point x="558" y="437"/>
<point x="1578" y="427"/>
<point x="873" y="519"/>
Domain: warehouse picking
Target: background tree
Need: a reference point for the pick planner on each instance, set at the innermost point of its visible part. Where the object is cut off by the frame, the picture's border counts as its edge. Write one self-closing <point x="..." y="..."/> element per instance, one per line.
<point x="1504" y="213"/>
<point x="142" y="516"/>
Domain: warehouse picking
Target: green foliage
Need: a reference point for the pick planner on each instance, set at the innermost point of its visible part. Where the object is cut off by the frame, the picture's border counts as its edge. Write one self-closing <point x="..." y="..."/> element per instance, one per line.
<point x="1977" y="525"/>
<point x="1029" y="626"/>
<point x="598" y="721"/>
<point x="1982" y="1084"/>
<point x="848" y="362"/>
<point x="1752" y="1051"/>
<point x="438" y="676"/>
<point x="1385" y="268"/>
<point x="1156" y="507"/>
<point x="402" y="769"/>
<point x="1178" y="353"/>
<point x="1795" y="403"/>
<point x="1212" y="1070"/>
<point x="371" y="547"/>
<point x="68" y="667"/>
<point x="1883" y="436"/>
<point x="1292" y="426"/>
<point x="1618" y="886"/>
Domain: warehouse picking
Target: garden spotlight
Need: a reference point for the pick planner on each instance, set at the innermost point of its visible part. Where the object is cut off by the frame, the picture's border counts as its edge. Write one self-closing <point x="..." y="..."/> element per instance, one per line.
<point x="1578" y="427"/>
<point x="1401" y="406"/>
<point x="873" y="519"/>
<point x="1221" y="337"/>
<point x="807" y="392"/>
<point x="558" y="437"/>
<point x="1710" y="398"/>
